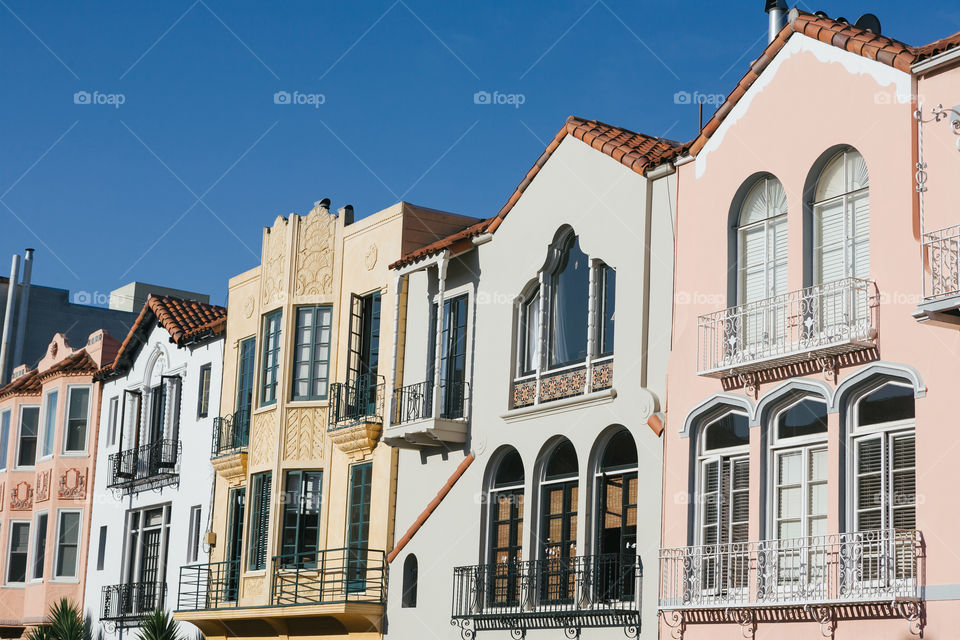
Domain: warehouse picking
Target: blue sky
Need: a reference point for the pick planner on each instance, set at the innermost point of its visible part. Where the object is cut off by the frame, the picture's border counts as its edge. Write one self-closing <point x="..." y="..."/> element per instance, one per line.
<point x="174" y="185"/>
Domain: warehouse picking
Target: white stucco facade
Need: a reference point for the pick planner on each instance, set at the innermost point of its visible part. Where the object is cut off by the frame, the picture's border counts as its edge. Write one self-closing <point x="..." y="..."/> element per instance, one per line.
<point x="626" y="221"/>
<point x="174" y="511"/>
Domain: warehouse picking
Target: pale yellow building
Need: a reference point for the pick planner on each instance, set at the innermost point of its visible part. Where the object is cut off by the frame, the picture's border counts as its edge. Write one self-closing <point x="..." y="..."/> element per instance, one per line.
<point x="305" y="492"/>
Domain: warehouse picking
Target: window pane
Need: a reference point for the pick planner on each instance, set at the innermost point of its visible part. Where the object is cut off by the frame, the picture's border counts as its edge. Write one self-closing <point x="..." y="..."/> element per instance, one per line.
<point x="311" y="353"/>
<point x="563" y="461"/>
<point x="77" y="419"/>
<point x="888" y="403"/>
<point x="17" y="559"/>
<point x="609" y="307"/>
<point x="68" y="540"/>
<point x="568" y="307"/>
<point x="49" y="423"/>
<point x="732" y="430"/>
<point x="39" y="546"/>
<point x="509" y="471"/>
<point x="805" y="418"/>
<point x="620" y="452"/>
<point x="531" y="347"/>
<point x="29" y="422"/>
<point x="4" y="438"/>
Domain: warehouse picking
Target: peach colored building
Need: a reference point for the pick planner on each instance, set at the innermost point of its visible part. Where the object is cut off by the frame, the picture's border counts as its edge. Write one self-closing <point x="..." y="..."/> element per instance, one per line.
<point x="809" y="485"/>
<point x="48" y="436"/>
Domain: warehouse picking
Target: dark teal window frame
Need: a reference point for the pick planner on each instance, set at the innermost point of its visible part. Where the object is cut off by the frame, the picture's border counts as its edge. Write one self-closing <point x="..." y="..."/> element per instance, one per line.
<point x="358" y="526"/>
<point x="317" y="386"/>
<point x="300" y="525"/>
<point x="260" y="485"/>
<point x="270" y="364"/>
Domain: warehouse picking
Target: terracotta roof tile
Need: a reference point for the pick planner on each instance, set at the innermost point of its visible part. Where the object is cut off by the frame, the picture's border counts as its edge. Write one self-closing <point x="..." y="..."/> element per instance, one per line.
<point x="26" y="385"/>
<point x="636" y="151"/>
<point x="938" y="46"/>
<point x="77" y="363"/>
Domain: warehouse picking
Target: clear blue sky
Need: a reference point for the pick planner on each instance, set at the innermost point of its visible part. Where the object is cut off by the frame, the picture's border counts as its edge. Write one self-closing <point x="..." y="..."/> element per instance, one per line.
<point x="174" y="185"/>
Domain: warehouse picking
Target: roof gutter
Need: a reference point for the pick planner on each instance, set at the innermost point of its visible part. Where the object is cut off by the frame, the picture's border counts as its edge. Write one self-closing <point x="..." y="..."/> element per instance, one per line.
<point x="937" y="61"/>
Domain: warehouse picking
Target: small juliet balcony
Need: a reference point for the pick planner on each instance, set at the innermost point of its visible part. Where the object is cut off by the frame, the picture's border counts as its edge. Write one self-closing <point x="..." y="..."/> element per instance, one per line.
<point x="941" y="276"/>
<point x="554" y="593"/>
<point x="126" y="605"/>
<point x="150" y="466"/>
<point x="821" y="322"/>
<point x="228" y="451"/>
<point x="355" y="418"/>
<point x="816" y="578"/>
<point x="425" y="415"/>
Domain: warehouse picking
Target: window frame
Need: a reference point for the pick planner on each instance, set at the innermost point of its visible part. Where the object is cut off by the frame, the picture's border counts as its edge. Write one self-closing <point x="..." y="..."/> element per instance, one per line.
<point x="56" y="576"/>
<point x="204" y="382"/>
<point x="11" y="524"/>
<point x="847" y="242"/>
<point x="45" y="439"/>
<point x="705" y="456"/>
<point x="194" y="533"/>
<point x="316" y="329"/>
<point x="66" y="420"/>
<point x="563" y="249"/>
<point x="523" y="336"/>
<point x="6" y="417"/>
<point x="34" y="545"/>
<point x="113" y="412"/>
<point x="602" y="273"/>
<point x="768" y="224"/>
<point x="270" y="357"/>
<point x="298" y="544"/>
<point x="260" y="512"/>
<point x="36" y="438"/>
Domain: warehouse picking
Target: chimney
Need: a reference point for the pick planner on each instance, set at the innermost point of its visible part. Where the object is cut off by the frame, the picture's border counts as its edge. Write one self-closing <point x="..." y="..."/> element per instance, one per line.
<point x="24" y="304"/>
<point x="8" y="317"/>
<point x="347" y="213"/>
<point x="777" y="12"/>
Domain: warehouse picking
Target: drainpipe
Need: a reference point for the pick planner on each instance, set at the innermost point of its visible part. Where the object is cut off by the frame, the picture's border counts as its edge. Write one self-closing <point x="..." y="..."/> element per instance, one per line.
<point x="24" y="303"/>
<point x="8" y="317"/>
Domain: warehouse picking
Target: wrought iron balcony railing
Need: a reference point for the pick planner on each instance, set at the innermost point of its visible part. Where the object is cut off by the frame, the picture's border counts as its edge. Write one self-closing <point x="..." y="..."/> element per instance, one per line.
<point x="146" y="467"/>
<point x="414" y="402"/>
<point x="941" y="252"/>
<point x="360" y="400"/>
<point x="846" y="568"/>
<point x="823" y="320"/>
<point x="329" y="576"/>
<point x="214" y="585"/>
<point x="569" y="593"/>
<point x="132" y="601"/>
<point x="231" y="433"/>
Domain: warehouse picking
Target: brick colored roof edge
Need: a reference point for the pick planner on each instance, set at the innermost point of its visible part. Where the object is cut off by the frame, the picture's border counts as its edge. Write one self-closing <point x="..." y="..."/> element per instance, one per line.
<point x="185" y="320"/>
<point x="26" y="385"/>
<point x="636" y="151"/>
<point x="845" y="36"/>
<point x="77" y="363"/>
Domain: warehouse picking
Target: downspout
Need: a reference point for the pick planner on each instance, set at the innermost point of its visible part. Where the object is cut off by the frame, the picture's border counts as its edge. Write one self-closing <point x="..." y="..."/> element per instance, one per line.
<point x="8" y="318"/>
<point x="24" y="304"/>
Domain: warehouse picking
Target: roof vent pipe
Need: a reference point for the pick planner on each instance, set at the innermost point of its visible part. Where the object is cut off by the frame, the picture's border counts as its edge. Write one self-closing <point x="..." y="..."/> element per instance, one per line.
<point x="8" y="317"/>
<point x="24" y="303"/>
<point x="777" y="13"/>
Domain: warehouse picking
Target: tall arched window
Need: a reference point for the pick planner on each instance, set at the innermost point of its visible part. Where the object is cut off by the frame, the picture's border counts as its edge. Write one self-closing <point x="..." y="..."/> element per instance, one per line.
<point x="408" y="598"/>
<point x="841" y="219"/>
<point x="569" y="293"/>
<point x="505" y="498"/>
<point x="558" y="526"/>
<point x="762" y="242"/>
<point x="616" y="555"/>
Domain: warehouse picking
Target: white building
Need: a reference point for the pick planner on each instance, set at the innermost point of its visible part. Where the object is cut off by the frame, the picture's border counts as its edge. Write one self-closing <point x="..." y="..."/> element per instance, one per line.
<point x="153" y="481"/>
<point x="529" y="487"/>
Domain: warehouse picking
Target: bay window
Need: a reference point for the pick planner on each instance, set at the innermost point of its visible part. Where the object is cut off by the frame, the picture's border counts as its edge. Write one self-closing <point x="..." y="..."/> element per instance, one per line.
<point x="569" y="289"/>
<point x="78" y="413"/>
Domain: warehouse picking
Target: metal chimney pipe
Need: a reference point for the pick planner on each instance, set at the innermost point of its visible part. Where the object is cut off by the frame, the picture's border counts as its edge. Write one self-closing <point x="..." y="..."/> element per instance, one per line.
<point x="777" y="15"/>
<point x="24" y="303"/>
<point x="8" y="317"/>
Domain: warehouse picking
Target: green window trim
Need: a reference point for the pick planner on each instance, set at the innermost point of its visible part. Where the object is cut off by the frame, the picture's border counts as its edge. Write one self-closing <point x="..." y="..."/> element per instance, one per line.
<point x="311" y="353"/>
<point x="270" y="364"/>
<point x="358" y="527"/>
<point x="300" y="534"/>
<point x="259" y="521"/>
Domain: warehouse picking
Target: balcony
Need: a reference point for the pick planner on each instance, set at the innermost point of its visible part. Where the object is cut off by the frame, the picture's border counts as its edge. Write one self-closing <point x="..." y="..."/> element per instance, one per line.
<point x="214" y="585"/>
<point x="819" y="322"/>
<point x="150" y="466"/>
<point x="571" y="594"/>
<point x="228" y="451"/>
<point x="355" y="419"/>
<point x="941" y="278"/>
<point x="127" y="604"/>
<point x="412" y="420"/>
<point x="819" y="577"/>
<point x="561" y="384"/>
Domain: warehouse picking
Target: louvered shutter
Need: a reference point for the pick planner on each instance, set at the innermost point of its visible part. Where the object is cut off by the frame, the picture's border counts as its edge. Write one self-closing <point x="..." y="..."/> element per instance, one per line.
<point x="870" y="480"/>
<point x="829" y="242"/>
<point x="903" y="481"/>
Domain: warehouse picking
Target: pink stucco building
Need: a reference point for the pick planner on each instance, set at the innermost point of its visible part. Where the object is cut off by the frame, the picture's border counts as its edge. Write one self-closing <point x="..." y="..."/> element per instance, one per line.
<point x="809" y="474"/>
<point x="48" y="436"/>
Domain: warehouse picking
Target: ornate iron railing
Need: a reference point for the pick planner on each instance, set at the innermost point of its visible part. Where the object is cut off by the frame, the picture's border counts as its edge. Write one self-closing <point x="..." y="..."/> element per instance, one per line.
<point x="131" y="601"/>
<point x="360" y="400"/>
<point x="846" y="568"/>
<point x="414" y="402"/>
<point x="230" y="433"/>
<point x="146" y="467"/>
<point x="214" y="585"/>
<point x="941" y="252"/>
<point x="329" y="576"/>
<point x="827" y="319"/>
<point x="570" y="593"/>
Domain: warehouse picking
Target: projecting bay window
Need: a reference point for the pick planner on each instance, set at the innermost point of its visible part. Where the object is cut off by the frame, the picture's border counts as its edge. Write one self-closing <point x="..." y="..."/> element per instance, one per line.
<point x="270" y="362"/>
<point x="565" y="327"/>
<point x="311" y="353"/>
<point x="300" y="535"/>
<point x="259" y="521"/>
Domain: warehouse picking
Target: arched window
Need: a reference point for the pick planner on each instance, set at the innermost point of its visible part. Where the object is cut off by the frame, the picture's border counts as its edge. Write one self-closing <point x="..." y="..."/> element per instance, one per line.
<point x="616" y="517"/>
<point x="408" y="598"/>
<point x="799" y="467"/>
<point x="841" y="219"/>
<point x="884" y="458"/>
<point x="558" y="527"/>
<point x="505" y="498"/>
<point x="724" y="486"/>
<point x="762" y="242"/>
<point x="568" y="319"/>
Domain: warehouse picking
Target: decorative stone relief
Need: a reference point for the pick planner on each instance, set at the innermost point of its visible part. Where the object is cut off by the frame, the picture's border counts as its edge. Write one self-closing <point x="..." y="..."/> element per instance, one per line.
<point x="274" y="252"/>
<point x="249" y="305"/>
<point x="357" y="440"/>
<point x="262" y="441"/>
<point x="304" y="433"/>
<point x="42" y="492"/>
<point x="232" y="467"/>
<point x="253" y="588"/>
<point x="370" y="259"/>
<point x="21" y="497"/>
<point x="73" y="484"/>
<point x="315" y="254"/>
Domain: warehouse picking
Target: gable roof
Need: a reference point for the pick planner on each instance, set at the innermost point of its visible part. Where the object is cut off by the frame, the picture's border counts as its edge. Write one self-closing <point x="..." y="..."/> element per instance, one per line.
<point x="187" y="321"/>
<point x="636" y="151"/>
<point x="848" y="37"/>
